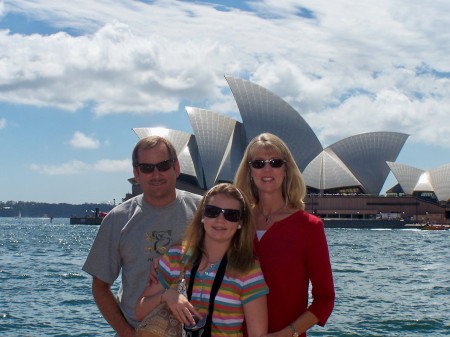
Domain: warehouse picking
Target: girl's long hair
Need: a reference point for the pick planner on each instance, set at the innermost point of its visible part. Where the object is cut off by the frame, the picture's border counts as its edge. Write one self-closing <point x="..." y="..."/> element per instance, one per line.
<point x="240" y="254"/>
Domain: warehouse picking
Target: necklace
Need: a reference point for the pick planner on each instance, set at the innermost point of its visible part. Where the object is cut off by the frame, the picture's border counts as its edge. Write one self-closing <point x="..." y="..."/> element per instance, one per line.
<point x="268" y="216"/>
<point x="211" y="264"/>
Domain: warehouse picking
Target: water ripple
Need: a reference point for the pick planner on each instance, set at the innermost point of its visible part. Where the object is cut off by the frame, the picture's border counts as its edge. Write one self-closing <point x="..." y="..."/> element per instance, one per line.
<point x="388" y="283"/>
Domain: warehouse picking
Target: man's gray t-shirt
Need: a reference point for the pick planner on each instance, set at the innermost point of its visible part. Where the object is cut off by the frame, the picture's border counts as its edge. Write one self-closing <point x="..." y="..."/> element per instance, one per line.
<point x="130" y="237"/>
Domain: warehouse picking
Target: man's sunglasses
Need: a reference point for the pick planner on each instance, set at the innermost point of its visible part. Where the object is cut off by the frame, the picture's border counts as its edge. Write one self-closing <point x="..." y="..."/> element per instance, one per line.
<point x="196" y="330"/>
<point x="233" y="215"/>
<point x="161" y="166"/>
<point x="260" y="163"/>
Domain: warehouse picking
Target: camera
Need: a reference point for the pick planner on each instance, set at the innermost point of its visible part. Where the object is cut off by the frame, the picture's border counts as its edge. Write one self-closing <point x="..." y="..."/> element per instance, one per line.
<point x="197" y="329"/>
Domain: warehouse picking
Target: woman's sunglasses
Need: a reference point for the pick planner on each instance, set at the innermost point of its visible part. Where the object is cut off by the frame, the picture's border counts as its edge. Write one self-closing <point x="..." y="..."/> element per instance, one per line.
<point x="260" y="163"/>
<point x="161" y="166"/>
<point x="233" y="215"/>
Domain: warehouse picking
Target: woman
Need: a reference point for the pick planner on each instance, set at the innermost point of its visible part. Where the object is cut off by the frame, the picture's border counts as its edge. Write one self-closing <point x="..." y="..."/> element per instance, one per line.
<point x="290" y="243"/>
<point x="222" y="230"/>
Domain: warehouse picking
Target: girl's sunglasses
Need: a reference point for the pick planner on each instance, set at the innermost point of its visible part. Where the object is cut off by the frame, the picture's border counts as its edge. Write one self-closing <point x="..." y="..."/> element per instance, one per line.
<point x="233" y="215"/>
<point x="161" y="166"/>
<point x="260" y="163"/>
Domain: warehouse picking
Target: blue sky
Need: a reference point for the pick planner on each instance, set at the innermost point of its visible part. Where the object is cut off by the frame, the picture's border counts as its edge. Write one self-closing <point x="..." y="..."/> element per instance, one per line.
<point x="77" y="76"/>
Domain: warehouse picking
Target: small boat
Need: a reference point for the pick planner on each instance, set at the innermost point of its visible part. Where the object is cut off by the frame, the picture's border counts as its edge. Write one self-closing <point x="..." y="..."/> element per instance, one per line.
<point x="88" y="220"/>
<point x="434" y="227"/>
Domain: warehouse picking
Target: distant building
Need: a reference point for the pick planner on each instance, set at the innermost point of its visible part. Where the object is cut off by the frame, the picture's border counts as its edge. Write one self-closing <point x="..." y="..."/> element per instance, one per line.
<point x="433" y="184"/>
<point x="356" y="166"/>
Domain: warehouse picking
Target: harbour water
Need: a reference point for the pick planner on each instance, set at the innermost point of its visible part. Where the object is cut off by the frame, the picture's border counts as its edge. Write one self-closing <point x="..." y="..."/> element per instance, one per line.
<point x="388" y="282"/>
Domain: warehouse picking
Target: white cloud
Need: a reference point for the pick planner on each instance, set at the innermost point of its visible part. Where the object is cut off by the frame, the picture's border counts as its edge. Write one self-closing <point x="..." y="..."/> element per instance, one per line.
<point x="108" y="165"/>
<point x="2" y="8"/>
<point x="381" y="62"/>
<point x="80" y="140"/>
<point x="2" y="123"/>
<point x="78" y="167"/>
<point x="70" y="168"/>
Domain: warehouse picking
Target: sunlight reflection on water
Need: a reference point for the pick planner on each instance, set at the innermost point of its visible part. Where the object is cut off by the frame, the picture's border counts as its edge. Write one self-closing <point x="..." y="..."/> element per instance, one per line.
<point x="388" y="283"/>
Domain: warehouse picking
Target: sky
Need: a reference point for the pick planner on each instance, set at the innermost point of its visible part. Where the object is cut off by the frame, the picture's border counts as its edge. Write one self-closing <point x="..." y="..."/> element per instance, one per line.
<point x="77" y="76"/>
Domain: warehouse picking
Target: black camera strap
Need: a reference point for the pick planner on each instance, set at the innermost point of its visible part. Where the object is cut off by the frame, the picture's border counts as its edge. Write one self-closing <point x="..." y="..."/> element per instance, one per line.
<point x="215" y="288"/>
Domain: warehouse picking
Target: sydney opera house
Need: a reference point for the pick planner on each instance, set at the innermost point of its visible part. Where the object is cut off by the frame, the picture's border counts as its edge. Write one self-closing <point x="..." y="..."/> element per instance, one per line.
<point x="344" y="180"/>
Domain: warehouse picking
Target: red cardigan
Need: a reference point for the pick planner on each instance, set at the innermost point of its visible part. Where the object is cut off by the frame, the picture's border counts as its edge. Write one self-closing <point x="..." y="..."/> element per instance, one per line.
<point x="292" y="253"/>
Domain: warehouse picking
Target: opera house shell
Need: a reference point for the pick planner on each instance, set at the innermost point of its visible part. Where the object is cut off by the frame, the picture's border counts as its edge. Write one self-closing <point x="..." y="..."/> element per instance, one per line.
<point x="357" y="165"/>
<point x="434" y="183"/>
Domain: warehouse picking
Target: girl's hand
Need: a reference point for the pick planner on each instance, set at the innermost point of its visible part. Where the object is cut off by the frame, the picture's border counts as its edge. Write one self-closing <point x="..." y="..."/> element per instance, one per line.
<point x="180" y="306"/>
<point x="153" y="276"/>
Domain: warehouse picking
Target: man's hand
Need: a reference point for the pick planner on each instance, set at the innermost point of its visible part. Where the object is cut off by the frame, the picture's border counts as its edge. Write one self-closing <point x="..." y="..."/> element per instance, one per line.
<point x="109" y="308"/>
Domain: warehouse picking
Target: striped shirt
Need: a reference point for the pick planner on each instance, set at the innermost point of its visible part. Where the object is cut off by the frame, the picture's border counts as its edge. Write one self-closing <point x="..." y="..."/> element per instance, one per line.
<point x="233" y="293"/>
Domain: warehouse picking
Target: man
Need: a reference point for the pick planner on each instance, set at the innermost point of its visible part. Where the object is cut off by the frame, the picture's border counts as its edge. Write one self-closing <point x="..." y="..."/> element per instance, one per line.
<point x="138" y="231"/>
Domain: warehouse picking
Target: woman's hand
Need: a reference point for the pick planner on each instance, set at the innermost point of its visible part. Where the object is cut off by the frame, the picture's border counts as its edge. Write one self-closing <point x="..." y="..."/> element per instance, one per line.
<point x="180" y="306"/>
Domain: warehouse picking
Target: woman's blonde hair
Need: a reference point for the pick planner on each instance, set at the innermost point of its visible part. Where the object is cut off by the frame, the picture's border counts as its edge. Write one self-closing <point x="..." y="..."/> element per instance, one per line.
<point x="241" y="256"/>
<point x="294" y="188"/>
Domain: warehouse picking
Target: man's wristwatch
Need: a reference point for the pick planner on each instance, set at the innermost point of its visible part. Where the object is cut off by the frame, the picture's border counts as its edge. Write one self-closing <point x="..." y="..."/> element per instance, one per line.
<point x="294" y="332"/>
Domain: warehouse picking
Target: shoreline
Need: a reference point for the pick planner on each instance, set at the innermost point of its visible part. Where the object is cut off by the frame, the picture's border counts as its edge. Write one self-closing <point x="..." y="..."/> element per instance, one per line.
<point x="370" y="224"/>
